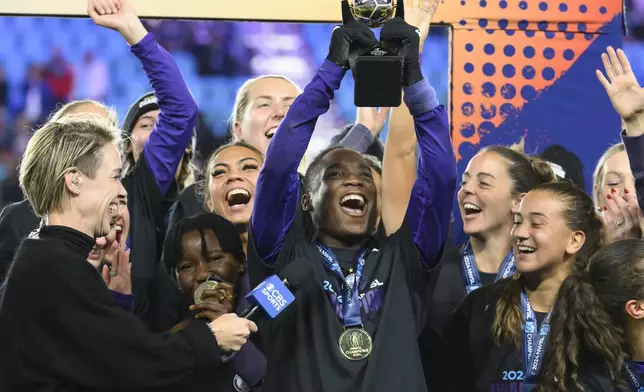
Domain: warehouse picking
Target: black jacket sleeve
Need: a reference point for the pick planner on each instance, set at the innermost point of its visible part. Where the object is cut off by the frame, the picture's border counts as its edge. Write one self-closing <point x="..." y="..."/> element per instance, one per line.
<point x="83" y="336"/>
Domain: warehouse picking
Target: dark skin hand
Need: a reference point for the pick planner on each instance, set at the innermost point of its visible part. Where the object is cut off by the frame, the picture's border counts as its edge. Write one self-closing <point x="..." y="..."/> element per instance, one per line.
<point x="195" y="268"/>
<point x="224" y="295"/>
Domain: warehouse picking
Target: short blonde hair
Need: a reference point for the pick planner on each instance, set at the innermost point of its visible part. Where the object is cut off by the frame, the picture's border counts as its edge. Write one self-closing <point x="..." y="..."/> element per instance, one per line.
<point x="70" y="108"/>
<point x="598" y="174"/>
<point x="242" y="98"/>
<point x="72" y="141"/>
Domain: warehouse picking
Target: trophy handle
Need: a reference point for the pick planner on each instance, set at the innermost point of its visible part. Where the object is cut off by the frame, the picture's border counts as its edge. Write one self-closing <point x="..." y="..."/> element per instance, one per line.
<point x="347" y="16"/>
<point x="400" y="9"/>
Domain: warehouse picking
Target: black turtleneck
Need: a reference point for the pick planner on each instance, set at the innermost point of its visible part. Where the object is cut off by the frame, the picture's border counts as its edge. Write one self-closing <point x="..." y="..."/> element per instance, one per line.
<point x="61" y="330"/>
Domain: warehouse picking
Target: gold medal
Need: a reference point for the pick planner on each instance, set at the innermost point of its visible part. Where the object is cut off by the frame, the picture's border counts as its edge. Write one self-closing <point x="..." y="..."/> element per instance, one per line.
<point x="355" y="344"/>
<point x="207" y="285"/>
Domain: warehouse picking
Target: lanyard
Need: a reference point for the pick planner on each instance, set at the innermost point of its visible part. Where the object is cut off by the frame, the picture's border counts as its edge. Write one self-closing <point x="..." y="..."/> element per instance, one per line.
<point x="471" y="272"/>
<point x="633" y="377"/>
<point x="350" y="301"/>
<point x="533" y="354"/>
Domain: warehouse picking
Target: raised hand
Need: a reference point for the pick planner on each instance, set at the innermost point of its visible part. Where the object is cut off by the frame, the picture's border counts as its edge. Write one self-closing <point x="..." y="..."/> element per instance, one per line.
<point x="209" y="311"/>
<point x="621" y="217"/>
<point x="351" y="39"/>
<point x="621" y="85"/>
<point x="117" y="277"/>
<point x="117" y="15"/>
<point x="419" y="13"/>
<point x="373" y="119"/>
<point x="400" y="37"/>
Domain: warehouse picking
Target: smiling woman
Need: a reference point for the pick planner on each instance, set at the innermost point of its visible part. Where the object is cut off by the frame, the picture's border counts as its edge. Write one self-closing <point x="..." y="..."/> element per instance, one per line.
<point x="260" y="106"/>
<point x="499" y="334"/>
<point x="229" y="188"/>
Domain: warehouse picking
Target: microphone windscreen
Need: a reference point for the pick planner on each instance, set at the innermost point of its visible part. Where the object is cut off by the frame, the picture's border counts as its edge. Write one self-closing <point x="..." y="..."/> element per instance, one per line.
<point x="271" y="295"/>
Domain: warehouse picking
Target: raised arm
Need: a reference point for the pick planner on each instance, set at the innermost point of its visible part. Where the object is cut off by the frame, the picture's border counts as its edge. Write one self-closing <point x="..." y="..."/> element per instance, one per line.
<point x="428" y="212"/>
<point x="177" y="108"/>
<point x="369" y="123"/>
<point x="401" y="144"/>
<point x="429" y="209"/>
<point x="627" y="97"/>
<point x="277" y="192"/>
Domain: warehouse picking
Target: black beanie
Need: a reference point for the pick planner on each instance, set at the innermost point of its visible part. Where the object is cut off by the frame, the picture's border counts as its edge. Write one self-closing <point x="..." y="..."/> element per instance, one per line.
<point x="565" y="164"/>
<point x="146" y="103"/>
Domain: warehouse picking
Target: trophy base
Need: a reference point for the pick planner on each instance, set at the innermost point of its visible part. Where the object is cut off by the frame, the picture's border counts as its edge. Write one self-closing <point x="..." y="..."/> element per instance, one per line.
<point x="378" y="79"/>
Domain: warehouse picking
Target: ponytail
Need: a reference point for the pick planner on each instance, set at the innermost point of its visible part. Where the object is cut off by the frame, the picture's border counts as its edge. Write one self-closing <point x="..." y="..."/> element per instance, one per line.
<point x="526" y="172"/>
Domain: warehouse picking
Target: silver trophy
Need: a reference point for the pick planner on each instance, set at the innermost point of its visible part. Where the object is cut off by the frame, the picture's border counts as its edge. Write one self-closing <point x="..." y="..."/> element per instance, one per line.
<point x="374" y="13"/>
<point x="377" y="72"/>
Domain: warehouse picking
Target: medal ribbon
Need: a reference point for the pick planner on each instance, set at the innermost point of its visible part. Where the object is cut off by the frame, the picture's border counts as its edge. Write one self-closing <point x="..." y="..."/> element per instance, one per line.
<point x="633" y="377"/>
<point x="350" y="300"/>
<point x="471" y="272"/>
<point x="533" y="356"/>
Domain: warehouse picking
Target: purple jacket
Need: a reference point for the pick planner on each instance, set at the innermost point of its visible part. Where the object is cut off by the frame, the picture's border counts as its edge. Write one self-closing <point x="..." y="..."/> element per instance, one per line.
<point x="178" y="111"/>
<point x="634" y="146"/>
<point x="277" y="192"/>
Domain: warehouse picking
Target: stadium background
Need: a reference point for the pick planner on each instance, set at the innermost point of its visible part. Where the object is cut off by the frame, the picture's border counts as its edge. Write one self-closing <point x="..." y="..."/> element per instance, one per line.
<point x="45" y="61"/>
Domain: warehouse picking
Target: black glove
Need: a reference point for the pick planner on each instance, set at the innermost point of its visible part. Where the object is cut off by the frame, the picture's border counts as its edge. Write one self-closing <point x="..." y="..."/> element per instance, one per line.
<point x="399" y="37"/>
<point x="351" y="39"/>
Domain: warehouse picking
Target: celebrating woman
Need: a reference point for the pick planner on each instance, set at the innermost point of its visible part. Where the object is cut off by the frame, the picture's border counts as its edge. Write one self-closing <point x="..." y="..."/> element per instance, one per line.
<point x="618" y="179"/>
<point x="499" y="334"/>
<point x="365" y="310"/>
<point x="207" y="248"/>
<point x="494" y="182"/>
<point x="75" y="336"/>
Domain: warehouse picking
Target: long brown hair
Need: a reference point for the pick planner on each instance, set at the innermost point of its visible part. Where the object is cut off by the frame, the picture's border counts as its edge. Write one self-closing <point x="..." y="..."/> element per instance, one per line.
<point x="579" y="214"/>
<point x="588" y="320"/>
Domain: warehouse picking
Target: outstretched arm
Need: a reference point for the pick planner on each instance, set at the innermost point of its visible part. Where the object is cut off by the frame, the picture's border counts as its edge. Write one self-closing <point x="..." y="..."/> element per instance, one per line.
<point x="177" y="108"/>
<point x="277" y="192"/>
<point x="401" y="144"/>
<point x="627" y="97"/>
<point x="428" y="211"/>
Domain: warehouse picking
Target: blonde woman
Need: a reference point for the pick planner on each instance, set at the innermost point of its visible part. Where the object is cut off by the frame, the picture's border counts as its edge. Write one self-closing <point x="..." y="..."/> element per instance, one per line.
<point x="17" y="220"/>
<point x="75" y="336"/>
<point x="617" y="181"/>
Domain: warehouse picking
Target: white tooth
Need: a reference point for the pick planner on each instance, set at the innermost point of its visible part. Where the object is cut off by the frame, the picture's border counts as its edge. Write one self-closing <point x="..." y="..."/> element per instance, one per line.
<point x="118" y="228"/>
<point x="236" y="192"/>
<point x="352" y="197"/>
<point x="470" y="206"/>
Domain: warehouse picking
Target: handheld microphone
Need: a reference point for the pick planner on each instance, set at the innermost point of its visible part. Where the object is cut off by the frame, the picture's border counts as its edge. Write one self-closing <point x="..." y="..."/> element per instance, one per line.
<point x="275" y="294"/>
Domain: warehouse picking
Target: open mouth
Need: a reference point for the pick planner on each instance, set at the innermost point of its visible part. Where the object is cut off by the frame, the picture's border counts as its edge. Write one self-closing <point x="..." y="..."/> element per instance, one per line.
<point x="238" y="198"/>
<point x="471" y="209"/>
<point x="353" y="204"/>
<point x="119" y="230"/>
<point x="270" y="133"/>
<point x="524" y="249"/>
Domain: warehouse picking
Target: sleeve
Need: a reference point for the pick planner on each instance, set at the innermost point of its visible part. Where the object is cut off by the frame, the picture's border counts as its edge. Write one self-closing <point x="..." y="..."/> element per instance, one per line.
<point x="177" y="111"/>
<point x="276" y="195"/>
<point x="125" y="355"/>
<point x="359" y="138"/>
<point x="429" y="209"/>
<point x="16" y="222"/>
<point x="634" y="146"/>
